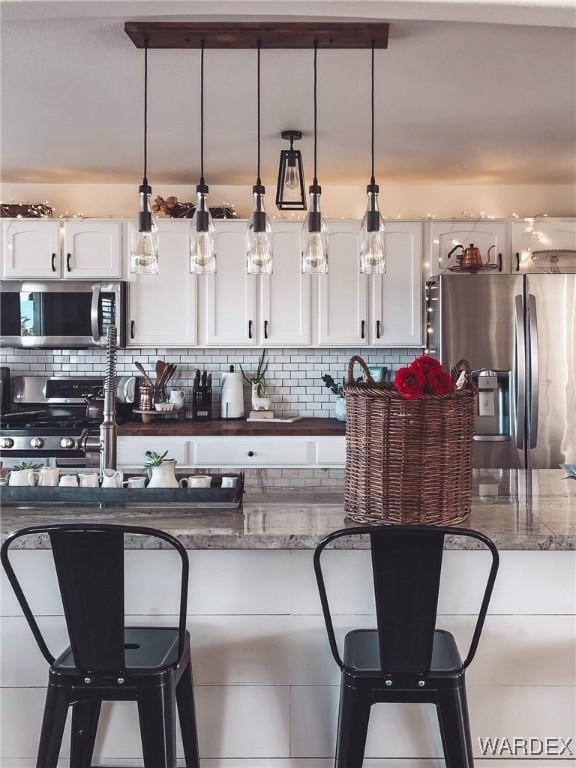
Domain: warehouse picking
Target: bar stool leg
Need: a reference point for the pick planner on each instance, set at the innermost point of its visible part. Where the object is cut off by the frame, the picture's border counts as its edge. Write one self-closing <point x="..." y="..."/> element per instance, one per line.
<point x="352" y="728"/>
<point x="85" y="715"/>
<point x="54" y="720"/>
<point x="455" y="728"/>
<point x="187" y="712"/>
<point x="157" y="714"/>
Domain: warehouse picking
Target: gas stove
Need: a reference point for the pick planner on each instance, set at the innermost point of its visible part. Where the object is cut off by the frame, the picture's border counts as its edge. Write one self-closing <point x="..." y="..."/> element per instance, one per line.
<point x="47" y="419"/>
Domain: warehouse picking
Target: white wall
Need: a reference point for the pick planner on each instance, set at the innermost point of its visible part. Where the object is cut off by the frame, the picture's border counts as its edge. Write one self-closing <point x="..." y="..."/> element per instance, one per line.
<point x="402" y="200"/>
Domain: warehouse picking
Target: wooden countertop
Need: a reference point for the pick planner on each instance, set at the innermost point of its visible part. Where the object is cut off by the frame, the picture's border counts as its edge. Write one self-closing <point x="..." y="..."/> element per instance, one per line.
<point x="232" y="428"/>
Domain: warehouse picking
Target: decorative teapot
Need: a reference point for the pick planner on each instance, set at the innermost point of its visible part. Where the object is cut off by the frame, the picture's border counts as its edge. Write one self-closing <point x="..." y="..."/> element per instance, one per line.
<point x="470" y="257"/>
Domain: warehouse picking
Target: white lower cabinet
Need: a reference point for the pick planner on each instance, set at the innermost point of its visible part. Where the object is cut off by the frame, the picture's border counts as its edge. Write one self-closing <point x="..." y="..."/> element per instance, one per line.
<point x="238" y="452"/>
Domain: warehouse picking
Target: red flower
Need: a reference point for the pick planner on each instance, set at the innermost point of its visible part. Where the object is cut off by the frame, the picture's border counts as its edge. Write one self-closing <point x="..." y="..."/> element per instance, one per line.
<point x="439" y="382"/>
<point x="425" y="363"/>
<point x="410" y="382"/>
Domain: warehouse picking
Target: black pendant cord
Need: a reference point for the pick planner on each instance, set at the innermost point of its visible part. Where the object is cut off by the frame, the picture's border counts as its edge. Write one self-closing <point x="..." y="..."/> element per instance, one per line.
<point x="146" y="113"/>
<point x="258" y="179"/>
<point x="372" y="177"/>
<point x="315" y="180"/>
<point x="202" y="114"/>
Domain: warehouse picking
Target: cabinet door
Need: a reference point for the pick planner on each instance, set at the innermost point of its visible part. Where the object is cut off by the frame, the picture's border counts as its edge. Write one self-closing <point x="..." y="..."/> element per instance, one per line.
<point x="162" y="307"/>
<point x="535" y="241"/>
<point x="285" y="294"/>
<point x="230" y="295"/>
<point x="342" y="293"/>
<point x="396" y="317"/>
<point x="491" y="237"/>
<point x="32" y="249"/>
<point x="92" y="249"/>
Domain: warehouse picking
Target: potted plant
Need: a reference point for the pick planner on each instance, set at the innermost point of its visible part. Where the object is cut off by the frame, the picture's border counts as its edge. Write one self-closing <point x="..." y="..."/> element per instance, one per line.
<point x="24" y="473"/>
<point x="258" y="383"/>
<point x="161" y="471"/>
<point x="338" y="390"/>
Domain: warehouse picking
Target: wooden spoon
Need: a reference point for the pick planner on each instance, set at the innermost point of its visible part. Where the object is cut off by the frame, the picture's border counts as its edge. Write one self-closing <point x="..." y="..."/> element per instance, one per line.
<point x="143" y="372"/>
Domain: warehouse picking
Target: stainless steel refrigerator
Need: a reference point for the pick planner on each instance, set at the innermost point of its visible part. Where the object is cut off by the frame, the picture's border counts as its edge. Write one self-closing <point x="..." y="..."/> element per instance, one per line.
<point x="519" y="334"/>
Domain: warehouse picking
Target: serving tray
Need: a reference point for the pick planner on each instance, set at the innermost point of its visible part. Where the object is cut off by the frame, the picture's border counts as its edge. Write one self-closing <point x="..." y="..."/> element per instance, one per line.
<point x="205" y="498"/>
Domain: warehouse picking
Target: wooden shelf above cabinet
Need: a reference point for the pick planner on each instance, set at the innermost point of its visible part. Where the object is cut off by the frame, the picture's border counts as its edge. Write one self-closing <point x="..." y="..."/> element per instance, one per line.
<point x="286" y="34"/>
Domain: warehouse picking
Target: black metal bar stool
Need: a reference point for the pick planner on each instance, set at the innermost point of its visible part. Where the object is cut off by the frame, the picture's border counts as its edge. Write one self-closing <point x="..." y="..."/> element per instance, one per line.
<point x="107" y="661"/>
<point x="406" y="659"/>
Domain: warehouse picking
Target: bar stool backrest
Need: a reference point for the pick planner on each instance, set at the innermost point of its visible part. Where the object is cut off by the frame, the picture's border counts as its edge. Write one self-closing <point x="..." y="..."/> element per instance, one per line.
<point x="406" y="567"/>
<point x="89" y="564"/>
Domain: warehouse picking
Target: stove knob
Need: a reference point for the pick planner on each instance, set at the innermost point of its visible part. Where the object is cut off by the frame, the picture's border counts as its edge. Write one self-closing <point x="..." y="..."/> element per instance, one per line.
<point x="67" y="442"/>
<point x="6" y="442"/>
<point x="37" y="442"/>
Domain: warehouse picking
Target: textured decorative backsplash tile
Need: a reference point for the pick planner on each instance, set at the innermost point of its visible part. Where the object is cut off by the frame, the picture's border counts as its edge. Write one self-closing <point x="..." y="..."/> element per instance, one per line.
<point x="293" y="377"/>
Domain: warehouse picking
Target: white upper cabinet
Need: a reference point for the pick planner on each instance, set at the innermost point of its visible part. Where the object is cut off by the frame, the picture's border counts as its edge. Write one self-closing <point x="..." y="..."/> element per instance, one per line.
<point x="162" y="308"/>
<point x="491" y="237"/>
<point x="31" y="249"/>
<point x="230" y="314"/>
<point x="92" y="249"/>
<point x="284" y="318"/>
<point x="396" y="296"/>
<point x="342" y="293"/>
<point x="540" y="245"/>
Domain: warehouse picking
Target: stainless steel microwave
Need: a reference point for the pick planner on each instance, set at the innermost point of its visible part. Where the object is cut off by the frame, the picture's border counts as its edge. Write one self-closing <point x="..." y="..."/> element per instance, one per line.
<point x="63" y="314"/>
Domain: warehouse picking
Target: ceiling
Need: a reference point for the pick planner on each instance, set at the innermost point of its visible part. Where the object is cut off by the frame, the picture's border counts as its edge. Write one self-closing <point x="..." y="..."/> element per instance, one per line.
<point x="461" y="101"/>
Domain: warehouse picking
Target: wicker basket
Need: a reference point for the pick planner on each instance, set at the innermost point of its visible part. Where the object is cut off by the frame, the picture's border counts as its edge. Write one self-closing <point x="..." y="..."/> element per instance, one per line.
<point x="408" y="461"/>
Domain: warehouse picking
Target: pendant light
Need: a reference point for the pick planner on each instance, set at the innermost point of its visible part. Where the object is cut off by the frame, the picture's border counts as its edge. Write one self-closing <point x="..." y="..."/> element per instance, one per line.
<point x="144" y="237"/>
<point x="290" y="191"/>
<point x="372" y="250"/>
<point x="202" y="244"/>
<point x="259" y="234"/>
<point x="314" y="238"/>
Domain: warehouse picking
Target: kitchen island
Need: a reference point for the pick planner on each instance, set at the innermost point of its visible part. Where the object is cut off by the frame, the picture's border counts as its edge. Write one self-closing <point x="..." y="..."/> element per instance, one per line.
<point x="267" y="689"/>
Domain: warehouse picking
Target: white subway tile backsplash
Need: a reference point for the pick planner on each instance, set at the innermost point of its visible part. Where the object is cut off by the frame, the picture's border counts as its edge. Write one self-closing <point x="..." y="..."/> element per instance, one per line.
<point x="293" y="378"/>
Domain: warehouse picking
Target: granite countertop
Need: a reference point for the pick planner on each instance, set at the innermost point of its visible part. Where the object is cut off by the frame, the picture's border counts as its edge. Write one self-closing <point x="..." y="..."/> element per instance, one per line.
<point x="518" y="510"/>
<point x="238" y="428"/>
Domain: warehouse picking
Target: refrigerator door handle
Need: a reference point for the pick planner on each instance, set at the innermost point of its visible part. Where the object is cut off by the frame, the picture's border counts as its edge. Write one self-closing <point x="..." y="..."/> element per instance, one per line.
<point x="533" y="364"/>
<point x="519" y="371"/>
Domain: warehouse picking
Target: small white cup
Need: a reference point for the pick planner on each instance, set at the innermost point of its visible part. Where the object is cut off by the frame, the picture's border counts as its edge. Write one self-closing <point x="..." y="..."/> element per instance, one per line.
<point x="135" y="482"/>
<point x="20" y="477"/>
<point x="89" y="480"/>
<point x="112" y="478"/>
<point x="196" y="481"/>
<point x="229" y="482"/>
<point x="48" y="477"/>
<point x="68" y="481"/>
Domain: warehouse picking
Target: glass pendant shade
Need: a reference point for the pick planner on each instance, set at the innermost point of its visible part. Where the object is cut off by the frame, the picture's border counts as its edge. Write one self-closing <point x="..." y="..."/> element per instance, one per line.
<point x="290" y="190"/>
<point x="144" y="238"/>
<point x="259" y="237"/>
<point x="202" y="243"/>
<point x="372" y="244"/>
<point x="314" y="237"/>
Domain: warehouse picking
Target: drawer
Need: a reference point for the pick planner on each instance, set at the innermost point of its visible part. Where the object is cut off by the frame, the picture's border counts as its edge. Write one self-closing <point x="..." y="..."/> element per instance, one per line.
<point x="253" y="452"/>
<point x="331" y="452"/>
<point x="132" y="450"/>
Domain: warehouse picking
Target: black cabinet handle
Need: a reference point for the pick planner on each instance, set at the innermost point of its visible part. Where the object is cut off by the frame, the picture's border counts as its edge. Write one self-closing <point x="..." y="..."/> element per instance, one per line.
<point x="251" y="453"/>
<point x="265" y="329"/>
<point x="249" y="329"/>
<point x="377" y="329"/>
<point x="499" y="262"/>
<point x="132" y="329"/>
<point x="363" y="329"/>
<point x="517" y="262"/>
<point x="68" y="257"/>
<point x="53" y="262"/>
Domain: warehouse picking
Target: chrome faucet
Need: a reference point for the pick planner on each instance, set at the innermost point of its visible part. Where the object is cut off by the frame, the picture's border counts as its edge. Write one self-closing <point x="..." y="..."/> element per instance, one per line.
<point x="106" y="443"/>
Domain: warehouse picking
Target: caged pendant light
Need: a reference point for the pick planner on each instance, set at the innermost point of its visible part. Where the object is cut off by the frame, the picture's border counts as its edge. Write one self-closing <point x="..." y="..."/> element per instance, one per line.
<point x="259" y="233"/>
<point x="372" y="247"/>
<point x="290" y="190"/>
<point x="202" y="241"/>
<point x="314" y="236"/>
<point x="144" y="237"/>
